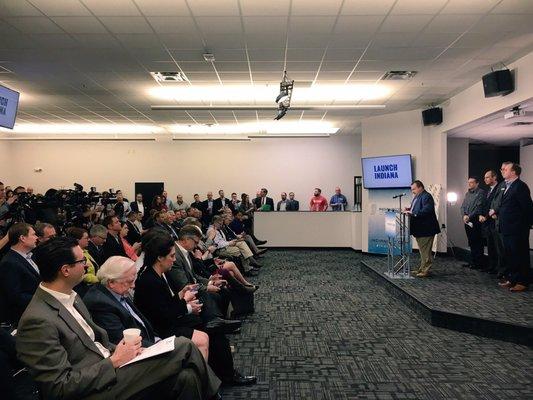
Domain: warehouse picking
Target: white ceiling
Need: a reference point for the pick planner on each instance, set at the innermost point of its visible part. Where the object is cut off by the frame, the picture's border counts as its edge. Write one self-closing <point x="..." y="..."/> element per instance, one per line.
<point x="495" y="129"/>
<point x="86" y="61"/>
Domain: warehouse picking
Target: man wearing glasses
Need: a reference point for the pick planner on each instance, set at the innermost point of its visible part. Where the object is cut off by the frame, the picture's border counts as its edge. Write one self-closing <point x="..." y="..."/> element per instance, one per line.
<point x="97" y="238"/>
<point x="71" y="357"/>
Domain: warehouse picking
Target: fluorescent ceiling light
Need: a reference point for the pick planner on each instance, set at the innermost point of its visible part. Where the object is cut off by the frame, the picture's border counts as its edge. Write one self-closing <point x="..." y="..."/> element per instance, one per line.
<point x="247" y="94"/>
<point x="66" y="128"/>
<point x="270" y="127"/>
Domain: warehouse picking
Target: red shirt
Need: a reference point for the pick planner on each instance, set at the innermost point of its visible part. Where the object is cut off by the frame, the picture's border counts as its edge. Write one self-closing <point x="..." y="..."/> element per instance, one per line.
<point x="318" y="203"/>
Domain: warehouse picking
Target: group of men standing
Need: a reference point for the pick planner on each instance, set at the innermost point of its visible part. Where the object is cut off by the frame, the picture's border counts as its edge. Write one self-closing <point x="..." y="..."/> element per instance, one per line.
<point x="502" y="216"/>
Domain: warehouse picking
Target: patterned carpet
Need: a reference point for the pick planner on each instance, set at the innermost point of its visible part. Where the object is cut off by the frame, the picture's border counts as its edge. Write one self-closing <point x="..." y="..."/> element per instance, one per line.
<point x="322" y="330"/>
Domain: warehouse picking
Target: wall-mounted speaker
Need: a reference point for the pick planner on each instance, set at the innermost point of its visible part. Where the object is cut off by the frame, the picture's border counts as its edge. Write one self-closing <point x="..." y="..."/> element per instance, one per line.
<point x="498" y="83"/>
<point x="432" y="116"/>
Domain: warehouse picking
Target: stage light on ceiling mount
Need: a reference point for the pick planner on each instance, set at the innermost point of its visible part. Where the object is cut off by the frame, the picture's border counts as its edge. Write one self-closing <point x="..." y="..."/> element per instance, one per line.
<point x="284" y="97"/>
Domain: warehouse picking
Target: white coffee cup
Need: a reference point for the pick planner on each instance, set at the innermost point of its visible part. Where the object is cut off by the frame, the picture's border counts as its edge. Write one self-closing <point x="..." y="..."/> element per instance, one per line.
<point x="131" y="335"/>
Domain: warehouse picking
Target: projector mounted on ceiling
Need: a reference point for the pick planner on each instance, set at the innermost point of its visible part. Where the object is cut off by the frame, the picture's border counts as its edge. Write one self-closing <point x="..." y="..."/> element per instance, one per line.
<point x="169" y="77"/>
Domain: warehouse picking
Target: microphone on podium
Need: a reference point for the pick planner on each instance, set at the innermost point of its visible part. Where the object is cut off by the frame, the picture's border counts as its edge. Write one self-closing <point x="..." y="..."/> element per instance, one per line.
<point x="399" y="195"/>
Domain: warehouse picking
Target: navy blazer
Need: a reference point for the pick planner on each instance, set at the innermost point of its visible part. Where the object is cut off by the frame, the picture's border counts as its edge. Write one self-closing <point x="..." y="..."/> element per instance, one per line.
<point x="268" y="201"/>
<point x="292" y="205"/>
<point x="516" y="209"/>
<point x="423" y="222"/>
<point x="18" y="283"/>
<point x="217" y="205"/>
<point x="112" y="247"/>
<point x="109" y="314"/>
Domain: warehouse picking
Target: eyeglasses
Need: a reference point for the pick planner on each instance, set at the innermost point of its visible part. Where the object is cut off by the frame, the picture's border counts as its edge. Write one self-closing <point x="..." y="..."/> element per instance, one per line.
<point x="83" y="262"/>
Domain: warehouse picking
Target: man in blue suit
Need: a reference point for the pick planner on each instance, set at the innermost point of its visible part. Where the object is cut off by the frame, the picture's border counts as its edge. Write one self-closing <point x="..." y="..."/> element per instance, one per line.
<point x="423" y="224"/>
<point x="515" y="220"/>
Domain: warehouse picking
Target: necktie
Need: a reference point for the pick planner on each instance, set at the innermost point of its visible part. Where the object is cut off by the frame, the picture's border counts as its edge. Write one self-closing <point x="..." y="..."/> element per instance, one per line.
<point x="189" y="270"/>
<point x="125" y="304"/>
<point x="32" y="263"/>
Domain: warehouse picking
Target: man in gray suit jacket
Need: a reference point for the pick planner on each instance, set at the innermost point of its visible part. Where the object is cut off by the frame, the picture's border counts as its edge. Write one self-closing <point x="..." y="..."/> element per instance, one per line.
<point x="71" y="357"/>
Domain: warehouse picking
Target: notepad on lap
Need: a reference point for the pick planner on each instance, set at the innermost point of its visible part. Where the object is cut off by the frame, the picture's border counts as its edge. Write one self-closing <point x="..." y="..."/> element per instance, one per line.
<point x="161" y="347"/>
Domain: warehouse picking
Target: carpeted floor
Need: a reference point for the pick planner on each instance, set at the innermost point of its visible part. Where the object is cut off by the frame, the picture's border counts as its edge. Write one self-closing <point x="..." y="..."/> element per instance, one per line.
<point x="323" y="330"/>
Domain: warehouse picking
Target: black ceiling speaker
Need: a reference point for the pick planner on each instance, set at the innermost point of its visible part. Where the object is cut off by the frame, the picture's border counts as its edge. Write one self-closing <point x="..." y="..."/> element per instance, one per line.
<point x="432" y="116"/>
<point x="498" y="83"/>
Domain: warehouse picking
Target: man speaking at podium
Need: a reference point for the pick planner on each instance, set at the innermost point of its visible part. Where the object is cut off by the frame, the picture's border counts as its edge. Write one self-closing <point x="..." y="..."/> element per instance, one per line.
<point x="424" y="225"/>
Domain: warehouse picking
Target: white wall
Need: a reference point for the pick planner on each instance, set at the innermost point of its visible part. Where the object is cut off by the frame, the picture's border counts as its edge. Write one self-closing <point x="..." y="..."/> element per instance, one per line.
<point x="188" y="167"/>
<point x="5" y="162"/>
<point x="526" y="162"/>
<point x="402" y="133"/>
<point x="457" y="177"/>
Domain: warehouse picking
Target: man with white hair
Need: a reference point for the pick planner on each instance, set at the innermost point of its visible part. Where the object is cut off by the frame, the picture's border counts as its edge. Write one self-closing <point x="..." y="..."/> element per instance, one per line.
<point x="112" y="309"/>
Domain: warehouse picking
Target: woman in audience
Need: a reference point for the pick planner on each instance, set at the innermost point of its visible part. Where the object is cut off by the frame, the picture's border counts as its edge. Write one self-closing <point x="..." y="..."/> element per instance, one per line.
<point x="158" y="205"/>
<point x="170" y="313"/>
<point x="247" y="209"/>
<point x="131" y="251"/>
<point x="82" y="236"/>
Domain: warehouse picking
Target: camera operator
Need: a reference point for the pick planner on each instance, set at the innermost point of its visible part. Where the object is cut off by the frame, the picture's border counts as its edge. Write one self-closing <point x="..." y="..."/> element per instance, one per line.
<point x="5" y="203"/>
<point x="122" y="207"/>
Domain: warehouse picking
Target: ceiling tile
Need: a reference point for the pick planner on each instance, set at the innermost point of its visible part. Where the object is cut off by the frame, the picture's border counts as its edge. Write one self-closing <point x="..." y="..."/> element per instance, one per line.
<point x="61" y="8"/>
<point x="312" y="41"/>
<point x="265" y="8"/>
<point x="34" y="24"/>
<point x="220" y="25"/>
<point x="367" y="7"/>
<point x="435" y="39"/>
<point x="301" y="66"/>
<point x="402" y="53"/>
<point x="126" y="24"/>
<point x="96" y="40"/>
<point x="214" y="42"/>
<point x="468" y="7"/>
<point x="405" y="23"/>
<point x="172" y="24"/>
<point x="514" y="7"/>
<point x="271" y="41"/>
<point x="165" y="8"/>
<point x="403" y="39"/>
<point x="139" y="40"/>
<point x="265" y="25"/>
<point x="231" y="66"/>
<point x="358" y="24"/>
<point x="367" y="75"/>
<point x="359" y="40"/>
<point x="504" y="23"/>
<point x="452" y="23"/>
<point x="311" y="25"/>
<point x="181" y="41"/>
<point x="55" y="41"/>
<point x="80" y="24"/>
<point x="121" y="8"/>
<point x="214" y="7"/>
<point x="417" y="7"/>
<point x="267" y="54"/>
<point x="315" y="7"/>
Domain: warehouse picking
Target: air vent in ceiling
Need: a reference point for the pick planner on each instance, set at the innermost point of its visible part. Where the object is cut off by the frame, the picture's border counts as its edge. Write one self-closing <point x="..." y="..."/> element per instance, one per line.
<point x="399" y="75"/>
<point x="169" y="76"/>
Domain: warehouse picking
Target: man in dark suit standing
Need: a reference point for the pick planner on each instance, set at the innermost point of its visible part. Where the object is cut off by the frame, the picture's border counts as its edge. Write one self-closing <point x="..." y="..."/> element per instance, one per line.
<point x="221" y="202"/>
<point x="134" y="234"/>
<point x="71" y="357"/>
<point x="471" y="209"/>
<point x="138" y="206"/>
<point x="264" y="203"/>
<point x="207" y="209"/>
<point x="113" y="244"/>
<point x="19" y="275"/>
<point x="488" y="223"/>
<point x="292" y="205"/>
<point x="423" y="224"/>
<point x="515" y="220"/>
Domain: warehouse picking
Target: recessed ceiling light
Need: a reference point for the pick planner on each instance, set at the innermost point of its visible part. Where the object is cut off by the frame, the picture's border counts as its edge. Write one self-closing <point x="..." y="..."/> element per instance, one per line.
<point x="31" y="128"/>
<point x="169" y="77"/>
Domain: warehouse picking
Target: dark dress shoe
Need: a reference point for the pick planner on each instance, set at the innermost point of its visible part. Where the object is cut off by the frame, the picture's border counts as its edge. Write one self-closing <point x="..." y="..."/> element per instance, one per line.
<point x="261" y="251"/>
<point x="261" y="242"/>
<point x="240" y="380"/>
<point x="251" y="272"/>
<point x="255" y="264"/>
<point x="223" y="325"/>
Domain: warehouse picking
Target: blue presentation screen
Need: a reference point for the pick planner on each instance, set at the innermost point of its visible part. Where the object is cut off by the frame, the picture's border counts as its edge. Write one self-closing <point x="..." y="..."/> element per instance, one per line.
<point x="9" y="101"/>
<point x="387" y="172"/>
